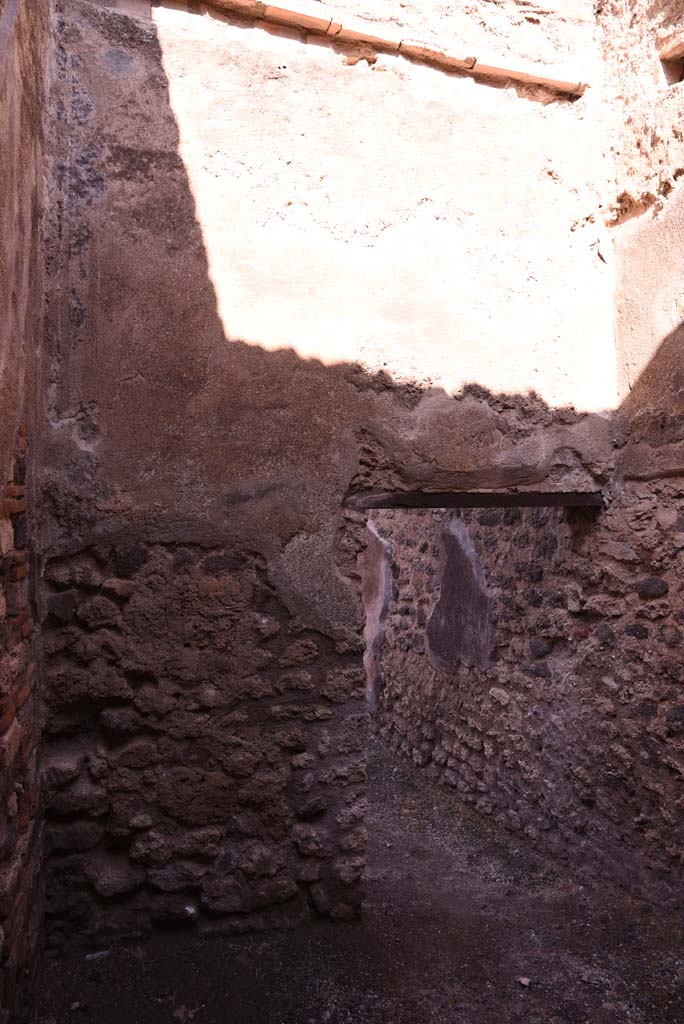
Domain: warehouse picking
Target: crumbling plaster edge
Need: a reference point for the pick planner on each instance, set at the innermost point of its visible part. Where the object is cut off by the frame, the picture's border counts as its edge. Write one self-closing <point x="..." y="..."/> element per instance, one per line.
<point x="360" y="36"/>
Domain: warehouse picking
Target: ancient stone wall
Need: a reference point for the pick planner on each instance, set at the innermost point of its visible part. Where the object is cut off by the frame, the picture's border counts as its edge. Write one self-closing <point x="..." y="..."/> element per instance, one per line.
<point x="203" y="747"/>
<point x="23" y="46"/>
<point x="283" y="275"/>
<point x="562" y="720"/>
<point x="201" y="621"/>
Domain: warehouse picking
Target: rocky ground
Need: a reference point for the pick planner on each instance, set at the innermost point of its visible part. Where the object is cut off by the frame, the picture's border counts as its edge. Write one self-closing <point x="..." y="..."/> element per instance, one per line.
<point x="460" y="928"/>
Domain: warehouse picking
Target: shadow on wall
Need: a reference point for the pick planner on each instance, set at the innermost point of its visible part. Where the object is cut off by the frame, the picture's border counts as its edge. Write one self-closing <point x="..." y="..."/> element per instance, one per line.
<point x="201" y="619"/>
<point x="107" y="398"/>
<point x="661" y="383"/>
<point x="155" y="416"/>
<point x="653" y="413"/>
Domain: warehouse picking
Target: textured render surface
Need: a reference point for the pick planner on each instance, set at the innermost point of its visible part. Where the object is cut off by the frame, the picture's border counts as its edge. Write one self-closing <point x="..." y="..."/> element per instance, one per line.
<point x="572" y="735"/>
<point x="650" y="309"/>
<point x="647" y="153"/>
<point x="199" y="590"/>
<point x="643" y="112"/>
<point x="22" y="59"/>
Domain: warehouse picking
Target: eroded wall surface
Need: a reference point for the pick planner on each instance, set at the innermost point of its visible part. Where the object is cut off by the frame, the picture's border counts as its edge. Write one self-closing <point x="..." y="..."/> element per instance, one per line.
<point x="22" y="61"/>
<point x="246" y="252"/>
<point x="567" y="726"/>
<point x="644" y="114"/>
<point x="650" y="322"/>
<point x="644" y="102"/>
<point x="203" y="747"/>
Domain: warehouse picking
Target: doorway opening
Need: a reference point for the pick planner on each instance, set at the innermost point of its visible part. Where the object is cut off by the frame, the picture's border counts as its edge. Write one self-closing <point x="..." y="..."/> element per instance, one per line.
<point x="473" y="612"/>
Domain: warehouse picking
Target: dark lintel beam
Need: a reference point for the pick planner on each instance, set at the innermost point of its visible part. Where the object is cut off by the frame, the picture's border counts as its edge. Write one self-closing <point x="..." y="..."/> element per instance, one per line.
<point x="476" y="499"/>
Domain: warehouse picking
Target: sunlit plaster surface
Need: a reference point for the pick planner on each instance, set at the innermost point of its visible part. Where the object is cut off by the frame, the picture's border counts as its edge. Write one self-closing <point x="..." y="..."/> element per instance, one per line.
<point x="417" y="223"/>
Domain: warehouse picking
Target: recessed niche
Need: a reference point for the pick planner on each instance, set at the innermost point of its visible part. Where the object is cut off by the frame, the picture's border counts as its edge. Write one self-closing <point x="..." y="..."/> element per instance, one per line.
<point x="672" y="62"/>
<point x="673" y="71"/>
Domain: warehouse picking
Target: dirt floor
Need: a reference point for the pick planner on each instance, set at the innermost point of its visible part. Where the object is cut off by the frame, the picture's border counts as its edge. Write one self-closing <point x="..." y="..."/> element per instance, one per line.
<point x="460" y="927"/>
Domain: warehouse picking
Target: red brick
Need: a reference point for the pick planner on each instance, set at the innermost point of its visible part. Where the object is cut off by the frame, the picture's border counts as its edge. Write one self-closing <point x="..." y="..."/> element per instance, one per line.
<point x="18" y="572"/>
<point x="16" y="596"/>
<point x="25" y="687"/>
<point x="8" y="713"/>
<point x="20" y="626"/>
<point x="10" y="744"/>
<point x="30" y="741"/>
<point x="13" y="507"/>
<point x="15" y="491"/>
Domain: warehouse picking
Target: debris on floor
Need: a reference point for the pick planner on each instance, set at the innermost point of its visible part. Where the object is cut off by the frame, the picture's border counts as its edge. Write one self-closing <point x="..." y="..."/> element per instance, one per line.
<point x="462" y="926"/>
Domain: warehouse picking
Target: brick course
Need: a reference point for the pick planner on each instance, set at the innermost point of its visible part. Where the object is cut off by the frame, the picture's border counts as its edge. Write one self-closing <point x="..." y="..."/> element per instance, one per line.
<point x="20" y="828"/>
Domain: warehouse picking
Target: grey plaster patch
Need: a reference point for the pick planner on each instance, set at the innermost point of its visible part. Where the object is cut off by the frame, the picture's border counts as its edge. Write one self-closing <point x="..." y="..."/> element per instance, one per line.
<point x="119" y="61"/>
<point x="460" y="627"/>
<point x="377" y="592"/>
<point x="309" y="580"/>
